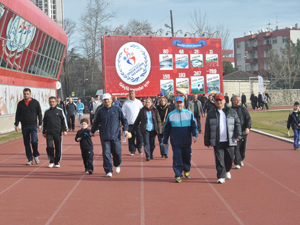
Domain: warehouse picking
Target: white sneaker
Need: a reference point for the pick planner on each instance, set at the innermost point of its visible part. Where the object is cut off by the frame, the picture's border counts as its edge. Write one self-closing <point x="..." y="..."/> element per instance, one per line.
<point x="221" y="181"/>
<point x="242" y="164"/>
<point x="29" y="163"/>
<point x="51" y="165"/>
<point x="57" y="166"/>
<point x="228" y="175"/>
<point x="237" y="167"/>
<point x="118" y="169"/>
<point x="36" y="159"/>
<point x="109" y="175"/>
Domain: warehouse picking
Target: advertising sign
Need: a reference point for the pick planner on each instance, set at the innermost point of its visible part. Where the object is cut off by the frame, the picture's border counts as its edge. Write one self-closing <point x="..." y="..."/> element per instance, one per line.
<point x="151" y="65"/>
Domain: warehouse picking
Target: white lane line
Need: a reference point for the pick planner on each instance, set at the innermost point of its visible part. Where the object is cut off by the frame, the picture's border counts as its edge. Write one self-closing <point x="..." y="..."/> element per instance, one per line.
<point x="29" y="173"/>
<point x="219" y="195"/>
<point x="142" y="193"/>
<point x="282" y="185"/>
<point x="69" y="195"/>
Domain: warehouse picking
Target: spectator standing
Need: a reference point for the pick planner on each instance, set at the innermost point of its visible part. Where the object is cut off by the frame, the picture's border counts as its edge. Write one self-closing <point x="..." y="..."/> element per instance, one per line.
<point x="265" y="99"/>
<point x="222" y="131"/>
<point x="245" y="120"/>
<point x="86" y="146"/>
<point x="71" y="110"/>
<point x="79" y="111"/>
<point x="60" y="104"/>
<point x="180" y="126"/>
<point x="244" y="100"/>
<point x="195" y="107"/>
<point x="54" y="125"/>
<point x="209" y="104"/>
<point x="259" y="101"/>
<point x="163" y="109"/>
<point x="150" y="125"/>
<point x="110" y="118"/>
<point x="131" y="109"/>
<point x="116" y="102"/>
<point x="96" y="103"/>
<point x="90" y="108"/>
<point x="29" y="113"/>
<point x="254" y="101"/>
<point x="294" y="122"/>
<point x="226" y="99"/>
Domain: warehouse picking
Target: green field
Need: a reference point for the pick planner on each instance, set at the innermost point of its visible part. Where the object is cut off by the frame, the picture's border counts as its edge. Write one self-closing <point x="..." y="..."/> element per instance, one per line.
<point x="273" y="122"/>
<point x="10" y="136"/>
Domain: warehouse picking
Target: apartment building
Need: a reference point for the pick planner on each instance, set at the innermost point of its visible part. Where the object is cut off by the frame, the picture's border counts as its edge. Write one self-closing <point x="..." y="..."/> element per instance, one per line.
<point x="53" y="8"/>
<point x="251" y="51"/>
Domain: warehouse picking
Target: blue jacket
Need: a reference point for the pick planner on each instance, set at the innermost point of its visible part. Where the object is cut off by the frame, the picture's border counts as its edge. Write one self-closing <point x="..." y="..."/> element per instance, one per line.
<point x="90" y="106"/>
<point x="80" y="107"/>
<point x="181" y="126"/>
<point x="117" y="103"/>
<point x="109" y="121"/>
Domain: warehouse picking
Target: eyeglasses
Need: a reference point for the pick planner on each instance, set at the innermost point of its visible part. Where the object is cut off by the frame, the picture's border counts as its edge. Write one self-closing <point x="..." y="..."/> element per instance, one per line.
<point x="83" y="124"/>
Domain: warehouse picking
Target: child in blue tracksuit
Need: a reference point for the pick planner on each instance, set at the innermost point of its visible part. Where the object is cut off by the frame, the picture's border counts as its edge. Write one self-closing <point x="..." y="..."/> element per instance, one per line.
<point x="86" y="146"/>
<point x="294" y="120"/>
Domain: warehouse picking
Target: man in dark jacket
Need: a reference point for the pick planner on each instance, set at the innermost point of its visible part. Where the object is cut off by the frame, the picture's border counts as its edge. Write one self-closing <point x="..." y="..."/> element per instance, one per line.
<point x="28" y="111"/>
<point x="253" y="101"/>
<point x="71" y="111"/>
<point x="90" y="108"/>
<point x="259" y="101"/>
<point x="244" y="100"/>
<point x="195" y="107"/>
<point x="294" y="120"/>
<point x="109" y="118"/>
<point x="54" y="125"/>
<point x="226" y="99"/>
<point x="209" y="104"/>
<point x="245" y="119"/>
<point x="222" y="131"/>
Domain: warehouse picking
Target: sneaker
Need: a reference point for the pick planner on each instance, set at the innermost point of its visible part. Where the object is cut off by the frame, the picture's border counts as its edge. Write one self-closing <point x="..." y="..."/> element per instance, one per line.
<point x="109" y="175"/>
<point x="90" y="172"/>
<point x="118" y="169"/>
<point x="178" y="180"/>
<point x="147" y="159"/>
<point x="140" y="152"/>
<point x="186" y="175"/>
<point x="29" y="163"/>
<point x="242" y="164"/>
<point x="228" y="175"/>
<point x="36" y="159"/>
<point x="51" y="165"/>
<point x="237" y="167"/>
<point x="166" y="156"/>
<point x="57" y="165"/>
<point x="221" y="181"/>
<point x="86" y="171"/>
<point x="131" y="154"/>
<point x="151" y="157"/>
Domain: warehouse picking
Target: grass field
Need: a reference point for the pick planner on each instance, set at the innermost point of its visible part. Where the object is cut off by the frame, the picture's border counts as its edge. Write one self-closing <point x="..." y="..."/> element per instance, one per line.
<point x="10" y="136"/>
<point x="273" y="122"/>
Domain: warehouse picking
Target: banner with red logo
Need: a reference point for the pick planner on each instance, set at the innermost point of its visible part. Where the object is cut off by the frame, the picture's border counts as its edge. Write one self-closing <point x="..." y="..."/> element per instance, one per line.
<point x="151" y="65"/>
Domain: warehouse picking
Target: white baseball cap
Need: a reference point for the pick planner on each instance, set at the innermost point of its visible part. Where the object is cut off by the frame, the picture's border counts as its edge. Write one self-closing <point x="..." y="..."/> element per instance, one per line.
<point x="106" y="96"/>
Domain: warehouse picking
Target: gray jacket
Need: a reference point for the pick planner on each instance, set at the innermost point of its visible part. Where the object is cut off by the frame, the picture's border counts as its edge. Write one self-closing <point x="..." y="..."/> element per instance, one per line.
<point x="211" y="136"/>
<point x="199" y="105"/>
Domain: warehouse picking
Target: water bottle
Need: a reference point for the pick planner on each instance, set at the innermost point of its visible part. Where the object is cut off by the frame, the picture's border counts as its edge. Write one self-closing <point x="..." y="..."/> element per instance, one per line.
<point x="124" y="137"/>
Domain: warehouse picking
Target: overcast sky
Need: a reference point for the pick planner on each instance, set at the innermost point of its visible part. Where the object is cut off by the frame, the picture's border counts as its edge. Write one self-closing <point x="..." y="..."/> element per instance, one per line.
<point x="238" y="16"/>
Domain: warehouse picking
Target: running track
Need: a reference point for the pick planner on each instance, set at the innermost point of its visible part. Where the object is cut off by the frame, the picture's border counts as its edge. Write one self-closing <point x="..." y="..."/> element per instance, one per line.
<point x="265" y="191"/>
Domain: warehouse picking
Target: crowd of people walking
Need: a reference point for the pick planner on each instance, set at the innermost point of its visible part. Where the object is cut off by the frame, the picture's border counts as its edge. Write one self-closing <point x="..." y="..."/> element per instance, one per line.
<point x="175" y="122"/>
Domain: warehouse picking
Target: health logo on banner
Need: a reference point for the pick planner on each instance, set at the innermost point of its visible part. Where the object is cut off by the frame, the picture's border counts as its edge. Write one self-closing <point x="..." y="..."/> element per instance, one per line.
<point x="133" y="63"/>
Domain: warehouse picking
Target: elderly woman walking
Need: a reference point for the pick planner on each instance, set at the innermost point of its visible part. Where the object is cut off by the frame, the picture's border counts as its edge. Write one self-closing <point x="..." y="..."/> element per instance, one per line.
<point x="150" y="127"/>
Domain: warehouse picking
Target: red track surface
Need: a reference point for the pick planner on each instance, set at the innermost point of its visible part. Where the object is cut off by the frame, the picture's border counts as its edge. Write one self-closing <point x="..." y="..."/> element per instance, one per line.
<point x="265" y="191"/>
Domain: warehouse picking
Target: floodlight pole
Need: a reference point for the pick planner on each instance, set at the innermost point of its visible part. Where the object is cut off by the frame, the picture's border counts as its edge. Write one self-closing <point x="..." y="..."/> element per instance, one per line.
<point x="172" y="28"/>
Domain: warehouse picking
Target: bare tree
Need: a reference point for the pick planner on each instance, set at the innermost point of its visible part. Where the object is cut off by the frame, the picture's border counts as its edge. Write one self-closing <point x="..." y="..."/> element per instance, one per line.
<point x="92" y="23"/>
<point x="200" y="22"/>
<point x="135" y="27"/>
<point x="70" y="29"/>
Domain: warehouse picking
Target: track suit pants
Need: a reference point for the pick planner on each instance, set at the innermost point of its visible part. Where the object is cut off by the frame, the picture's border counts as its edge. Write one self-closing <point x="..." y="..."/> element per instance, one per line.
<point x="88" y="157"/>
<point x="71" y="122"/>
<point x="57" y="139"/>
<point x="181" y="160"/>
<point x="223" y="157"/>
<point x="240" y="151"/>
<point x="111" y="147"/>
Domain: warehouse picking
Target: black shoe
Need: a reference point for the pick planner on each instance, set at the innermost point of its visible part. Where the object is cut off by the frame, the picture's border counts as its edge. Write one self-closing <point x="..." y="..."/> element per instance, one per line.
<point x="163" y="156"/>
<point x="90" y="172"/>
<point x="151" y="157"/>
<point x="166" y="156"/>
<point x="147" y="159"/>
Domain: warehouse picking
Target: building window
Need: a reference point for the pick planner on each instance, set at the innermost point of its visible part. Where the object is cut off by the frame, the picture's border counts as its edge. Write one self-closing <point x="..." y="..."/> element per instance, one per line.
<point x="238" y="45"/>
<point x="247" y="44"/>
<point x="274" y="40"/>
<point x="284" y="39"/>
<point x="238" y="57"/>
<point x="268" y="41"/>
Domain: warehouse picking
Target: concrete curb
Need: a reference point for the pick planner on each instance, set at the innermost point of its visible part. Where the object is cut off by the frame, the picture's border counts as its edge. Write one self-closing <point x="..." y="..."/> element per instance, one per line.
<point x="273" y="136"/>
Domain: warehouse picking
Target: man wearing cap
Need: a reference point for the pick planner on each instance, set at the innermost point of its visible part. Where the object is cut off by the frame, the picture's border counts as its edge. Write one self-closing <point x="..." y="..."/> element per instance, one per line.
<point x="131" y="109"/>
<point x="109" y="118"/>
<point x="222" y="131"/>
<point x="181" y="126"/>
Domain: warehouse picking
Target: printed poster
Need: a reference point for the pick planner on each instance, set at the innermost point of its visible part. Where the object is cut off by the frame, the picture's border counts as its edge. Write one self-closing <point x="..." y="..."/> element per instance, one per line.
<point x="181" y="61"/>
<point x="213" y="83"/>
<point x="166" y="62"/>
<point x="167" y="87"/>
<point x="196" y="60"/>
<point x="182" y="86"/>
<point x="197" y="83"/>
<point x="212" y="60"/>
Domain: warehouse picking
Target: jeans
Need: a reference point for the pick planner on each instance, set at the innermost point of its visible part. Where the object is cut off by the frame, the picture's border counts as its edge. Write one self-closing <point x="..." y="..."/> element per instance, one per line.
<point x="80" y="117"/>
<point x="223" y="157"/>
<point x="181" y="160"/>
<point x="163" y="150"/>
<point x="149" y="143"/>
<point x="296" y="137"/>
<point x="136" y="134"/>
<point x="30" y="133"/>
<point x="111" y="147"/>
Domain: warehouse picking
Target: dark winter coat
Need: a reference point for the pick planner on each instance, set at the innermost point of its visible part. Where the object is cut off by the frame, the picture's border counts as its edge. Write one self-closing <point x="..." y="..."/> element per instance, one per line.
<point x="85" y="141"/>
<point x="244" y="117"/>
<point x="28" y="115"/>
<point x="54" y="121"/>
<point x="294" y="120"/>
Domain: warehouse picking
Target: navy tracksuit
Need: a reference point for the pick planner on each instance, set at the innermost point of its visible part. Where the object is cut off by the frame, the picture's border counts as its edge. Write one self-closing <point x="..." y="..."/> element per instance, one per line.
<point x="87" y="148"/>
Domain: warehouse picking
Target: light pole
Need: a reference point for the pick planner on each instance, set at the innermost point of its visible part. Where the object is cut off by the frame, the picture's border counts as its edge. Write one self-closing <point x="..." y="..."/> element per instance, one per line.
<point x="171" y="27"/>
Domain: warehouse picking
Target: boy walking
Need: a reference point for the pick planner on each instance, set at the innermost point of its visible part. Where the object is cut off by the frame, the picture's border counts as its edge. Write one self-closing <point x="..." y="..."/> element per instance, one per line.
<point x="294" y="120"/>
<point x="54" y="125"/>
<point x="86" y="146"/>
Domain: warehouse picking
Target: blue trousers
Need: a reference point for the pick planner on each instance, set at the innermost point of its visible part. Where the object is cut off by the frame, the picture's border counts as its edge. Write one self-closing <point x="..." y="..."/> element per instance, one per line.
<point x="181" y="160"/>
<point x="30" y="136"/>
<point x="149" y="142"/>
<point x="136" y="134"/>
<point x="111" y="147"/>
<point x="163" y="150"/>
<point x="296" y="137"/>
